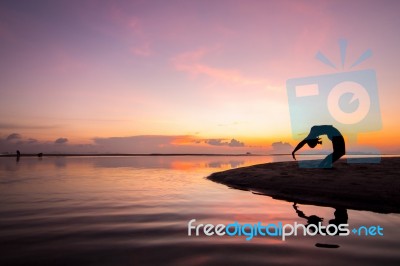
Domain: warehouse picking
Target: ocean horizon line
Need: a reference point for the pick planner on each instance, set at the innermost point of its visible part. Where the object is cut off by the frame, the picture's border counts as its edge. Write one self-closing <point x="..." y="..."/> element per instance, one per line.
<point x="175" y="154"/>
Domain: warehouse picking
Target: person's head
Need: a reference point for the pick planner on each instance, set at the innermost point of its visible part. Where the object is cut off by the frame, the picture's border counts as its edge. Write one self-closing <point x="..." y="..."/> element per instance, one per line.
<point x="313" y="142"/>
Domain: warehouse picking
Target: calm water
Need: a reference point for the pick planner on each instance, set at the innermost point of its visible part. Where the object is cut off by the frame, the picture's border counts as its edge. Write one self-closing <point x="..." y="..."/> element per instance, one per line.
<point x="135" y="211"/>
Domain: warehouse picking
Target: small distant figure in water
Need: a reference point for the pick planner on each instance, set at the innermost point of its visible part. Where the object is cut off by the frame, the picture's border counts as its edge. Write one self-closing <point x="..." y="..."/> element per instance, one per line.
<point x="18" y="155"/>
<point x="40" y="155"/>
<point x="313" y="139"/>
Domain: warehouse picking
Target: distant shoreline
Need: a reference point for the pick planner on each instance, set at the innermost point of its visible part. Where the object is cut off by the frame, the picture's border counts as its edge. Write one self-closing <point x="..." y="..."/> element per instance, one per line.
<point x="132" y="155"/>
<point x="168" y="154"/>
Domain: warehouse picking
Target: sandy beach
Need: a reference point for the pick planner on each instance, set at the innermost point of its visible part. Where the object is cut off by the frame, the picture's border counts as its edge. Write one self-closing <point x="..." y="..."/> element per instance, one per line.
<point x="370" y="187"/>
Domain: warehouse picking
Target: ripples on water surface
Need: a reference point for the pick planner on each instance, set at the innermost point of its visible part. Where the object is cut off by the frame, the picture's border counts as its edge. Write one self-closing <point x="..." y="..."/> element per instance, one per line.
<point x="135" y="210"/>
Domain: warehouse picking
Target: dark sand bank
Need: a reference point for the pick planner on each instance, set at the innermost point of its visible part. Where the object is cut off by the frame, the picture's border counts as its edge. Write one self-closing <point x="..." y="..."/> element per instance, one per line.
<point x="370" y="187"/>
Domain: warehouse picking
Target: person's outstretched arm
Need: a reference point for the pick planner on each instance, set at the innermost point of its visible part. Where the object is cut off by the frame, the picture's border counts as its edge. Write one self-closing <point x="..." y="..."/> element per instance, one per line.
<point x="298" y="147"/>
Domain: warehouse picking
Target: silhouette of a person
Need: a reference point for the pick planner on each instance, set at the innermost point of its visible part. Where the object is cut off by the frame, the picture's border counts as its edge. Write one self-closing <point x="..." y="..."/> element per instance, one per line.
<point x="340" y="214"/>
<point x="18" y="155"/>
<point x="313" y="139"/>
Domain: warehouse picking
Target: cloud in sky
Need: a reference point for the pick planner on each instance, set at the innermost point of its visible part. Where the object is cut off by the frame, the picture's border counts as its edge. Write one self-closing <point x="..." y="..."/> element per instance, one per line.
<point x="235" y="143"/>
<point x="216" y="142"/>
<point x="13" y="136"/>
<point x="223" y="142"/>
<point x="192" y="62"/>
<point x="281" y="147"/>
<point x="61" y="141"/>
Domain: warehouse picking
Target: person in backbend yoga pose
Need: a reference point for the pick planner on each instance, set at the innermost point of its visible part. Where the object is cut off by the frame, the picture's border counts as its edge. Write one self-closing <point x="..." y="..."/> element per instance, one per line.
<point x="313" y="140"/>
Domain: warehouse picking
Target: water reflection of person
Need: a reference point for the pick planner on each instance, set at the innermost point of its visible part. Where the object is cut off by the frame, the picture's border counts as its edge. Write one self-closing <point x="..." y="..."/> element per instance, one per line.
<point x="340" y="214"/>
<point x="312" y="219"/>
<point x="341" y="217"/>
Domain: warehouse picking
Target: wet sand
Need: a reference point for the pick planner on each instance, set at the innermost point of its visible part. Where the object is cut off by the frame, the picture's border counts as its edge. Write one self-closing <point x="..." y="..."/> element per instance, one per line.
<point x="370" y="187"/>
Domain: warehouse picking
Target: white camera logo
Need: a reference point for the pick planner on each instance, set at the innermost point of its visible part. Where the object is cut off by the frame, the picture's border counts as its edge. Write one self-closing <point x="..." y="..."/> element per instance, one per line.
<point x="348" y="100"/>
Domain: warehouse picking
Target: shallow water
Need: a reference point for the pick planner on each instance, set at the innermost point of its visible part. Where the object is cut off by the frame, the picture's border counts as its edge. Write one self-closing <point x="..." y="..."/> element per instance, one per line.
<point x="135" y="210"/>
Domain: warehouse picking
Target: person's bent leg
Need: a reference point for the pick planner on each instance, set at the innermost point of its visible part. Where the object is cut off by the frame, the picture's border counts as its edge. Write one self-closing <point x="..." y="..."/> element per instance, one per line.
<point x="339" y="148"/>
<point x="336" y="155"/>
<point x="327" y="162"/>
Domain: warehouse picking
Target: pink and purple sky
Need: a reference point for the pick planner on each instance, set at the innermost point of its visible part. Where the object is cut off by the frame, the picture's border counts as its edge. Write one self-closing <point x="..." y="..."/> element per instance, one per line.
<point x="179" y="76"/>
